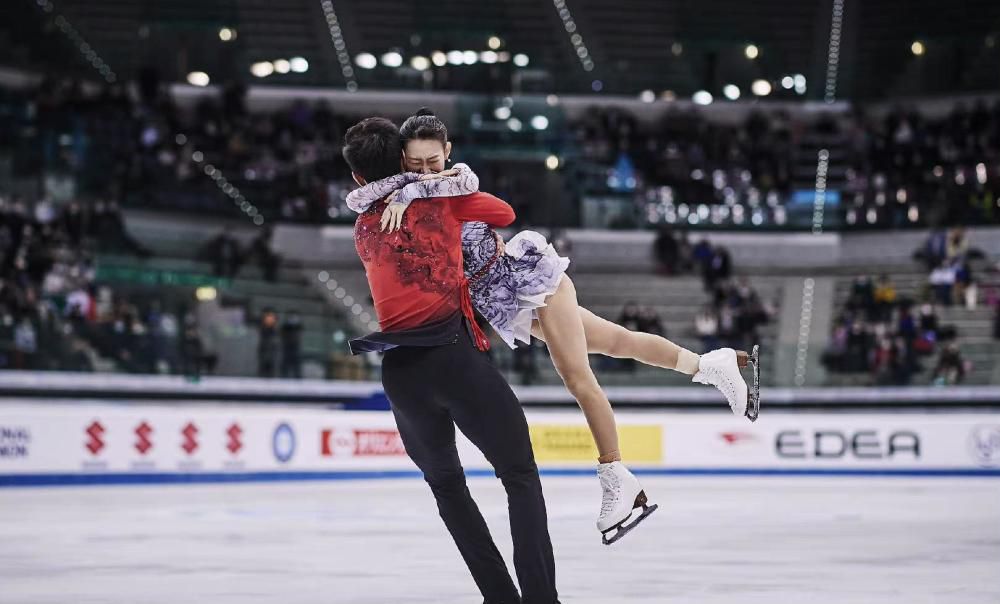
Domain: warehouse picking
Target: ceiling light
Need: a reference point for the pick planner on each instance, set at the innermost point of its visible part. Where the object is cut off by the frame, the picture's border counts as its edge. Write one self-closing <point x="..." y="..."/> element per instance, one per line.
<point x="262" y="69"/>
<point x="761" y="87"/>
<point x="198" y="78"/>
<point x="392" y="59"/>
<point x="751" y="51"/>
<point x="299" y="65"/>
<point x="366" y="60"/>
<point x="521" y="60"/>
<point x="731" y="92"/>
<point x="420" y="63"/>
<point x="702" y="97"/>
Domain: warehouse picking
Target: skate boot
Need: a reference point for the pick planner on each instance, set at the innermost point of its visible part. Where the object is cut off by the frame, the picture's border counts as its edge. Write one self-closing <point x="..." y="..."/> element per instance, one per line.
<point x="721" y="368"/>
<point x="622" y="495"/>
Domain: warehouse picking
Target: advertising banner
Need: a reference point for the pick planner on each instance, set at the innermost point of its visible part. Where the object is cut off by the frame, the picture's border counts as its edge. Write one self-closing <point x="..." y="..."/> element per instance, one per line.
<point x="44" y="443"/>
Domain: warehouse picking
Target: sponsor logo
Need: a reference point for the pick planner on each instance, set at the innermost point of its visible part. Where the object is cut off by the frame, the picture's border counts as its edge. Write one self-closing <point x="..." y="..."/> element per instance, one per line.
<point x="737" y="438"/>
<point x="190" y="441"/>
<point x="142" y="441"/>
<point x="95" y="440"/>
<point x="835" y="444"/>
<point x="14" y="442"/>
<point x="984" y="444"/>
<point x="569" y="442"/>
<point x="283" y="443"/>
<point x="360" y="443"/>
<point x="235" y="442"/>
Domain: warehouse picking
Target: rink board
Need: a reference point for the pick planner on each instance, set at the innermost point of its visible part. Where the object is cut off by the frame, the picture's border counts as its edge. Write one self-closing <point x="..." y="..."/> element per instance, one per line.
<point x="59" y="443"/>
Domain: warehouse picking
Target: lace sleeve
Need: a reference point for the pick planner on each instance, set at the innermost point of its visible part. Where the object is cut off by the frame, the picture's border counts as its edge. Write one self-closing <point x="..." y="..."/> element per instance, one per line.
<point x="463" y="183"/>
<point x="362" y="198"/>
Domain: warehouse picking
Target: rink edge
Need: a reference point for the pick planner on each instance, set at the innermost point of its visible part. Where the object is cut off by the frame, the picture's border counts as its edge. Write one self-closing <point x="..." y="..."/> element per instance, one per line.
<point x="23" y="480"/>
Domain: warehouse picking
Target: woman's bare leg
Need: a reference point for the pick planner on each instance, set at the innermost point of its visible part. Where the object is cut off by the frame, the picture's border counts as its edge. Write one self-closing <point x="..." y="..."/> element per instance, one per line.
<point x="613" y="340"/>
<point x="562" y="327"/>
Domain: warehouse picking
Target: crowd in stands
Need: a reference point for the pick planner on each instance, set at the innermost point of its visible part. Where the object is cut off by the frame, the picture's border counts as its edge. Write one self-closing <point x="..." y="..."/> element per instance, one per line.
<point x="892" y="337"/>
<point x="52" y="313"/>
<point x="139" y="147"/>
<point x="693" y="159"/>
<point x="943" y="170"/>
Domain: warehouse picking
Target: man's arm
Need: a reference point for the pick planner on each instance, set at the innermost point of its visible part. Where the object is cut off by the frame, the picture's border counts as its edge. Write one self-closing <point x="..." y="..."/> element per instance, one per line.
<point x="482" y="207"/>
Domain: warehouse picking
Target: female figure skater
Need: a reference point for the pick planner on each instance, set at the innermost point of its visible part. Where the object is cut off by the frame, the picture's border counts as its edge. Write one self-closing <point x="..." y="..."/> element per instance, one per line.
<point x="522" y="289"/>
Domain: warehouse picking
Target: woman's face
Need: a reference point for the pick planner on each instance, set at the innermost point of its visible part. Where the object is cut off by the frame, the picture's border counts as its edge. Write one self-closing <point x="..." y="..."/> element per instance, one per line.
<point x="425" y="156"/>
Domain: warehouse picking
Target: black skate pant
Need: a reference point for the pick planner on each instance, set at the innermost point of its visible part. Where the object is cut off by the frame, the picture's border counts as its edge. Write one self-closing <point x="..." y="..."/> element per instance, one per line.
<point x="431" y="389"/>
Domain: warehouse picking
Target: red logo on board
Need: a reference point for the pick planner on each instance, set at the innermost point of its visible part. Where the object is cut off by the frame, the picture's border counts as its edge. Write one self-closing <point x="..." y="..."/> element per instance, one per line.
<point x="95" y="443"/>
<point x="361" y="443"/>
<point x="190" y="433"/>
<point x="235" y="442"/>
<point x="142" y="442"/>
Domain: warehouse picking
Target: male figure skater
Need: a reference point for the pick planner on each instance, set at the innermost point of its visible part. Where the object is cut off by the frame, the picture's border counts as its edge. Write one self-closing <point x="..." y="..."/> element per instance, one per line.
<point x="436" y="378"/>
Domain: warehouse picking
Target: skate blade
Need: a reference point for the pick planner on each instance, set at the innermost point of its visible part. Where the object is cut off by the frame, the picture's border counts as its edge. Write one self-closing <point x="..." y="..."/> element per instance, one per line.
<point x="623" y="529"/>
<point x="753" y="396"/>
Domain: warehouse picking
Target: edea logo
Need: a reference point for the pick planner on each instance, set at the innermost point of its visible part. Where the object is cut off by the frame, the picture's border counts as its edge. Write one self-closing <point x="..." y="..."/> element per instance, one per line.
<point x="834" y="444"/>
<point x="283" y="443"/>
<point x="14" y="442"/>
<point x="984" y="444"/>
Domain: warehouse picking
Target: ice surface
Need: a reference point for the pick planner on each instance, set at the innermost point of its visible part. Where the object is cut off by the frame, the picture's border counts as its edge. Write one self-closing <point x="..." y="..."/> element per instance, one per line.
<point x="714" y="540"/>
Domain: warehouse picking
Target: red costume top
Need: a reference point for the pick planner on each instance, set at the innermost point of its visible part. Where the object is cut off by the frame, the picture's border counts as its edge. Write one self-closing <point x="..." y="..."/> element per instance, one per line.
<point x="415" y="274"/>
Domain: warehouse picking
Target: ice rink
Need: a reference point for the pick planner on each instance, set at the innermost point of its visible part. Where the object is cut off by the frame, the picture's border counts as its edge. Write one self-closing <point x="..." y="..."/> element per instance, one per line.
<point x="714" y="540"/>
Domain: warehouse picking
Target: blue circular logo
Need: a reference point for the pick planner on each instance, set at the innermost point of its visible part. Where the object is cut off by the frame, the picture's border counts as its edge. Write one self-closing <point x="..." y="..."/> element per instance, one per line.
<point x="283" y="443"/>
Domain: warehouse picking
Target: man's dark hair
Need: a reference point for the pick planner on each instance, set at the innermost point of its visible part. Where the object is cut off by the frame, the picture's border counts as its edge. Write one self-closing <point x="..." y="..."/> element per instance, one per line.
<point x="372" y="149"/>
<point x="423" y="125"/>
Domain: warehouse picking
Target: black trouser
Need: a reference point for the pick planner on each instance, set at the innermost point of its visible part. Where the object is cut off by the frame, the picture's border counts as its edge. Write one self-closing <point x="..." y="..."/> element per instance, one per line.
<point x="432" y="389"/>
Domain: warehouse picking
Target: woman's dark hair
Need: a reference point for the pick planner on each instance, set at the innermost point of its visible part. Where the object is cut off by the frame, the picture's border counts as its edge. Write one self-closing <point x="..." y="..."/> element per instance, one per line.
<point x="423" y="125"/>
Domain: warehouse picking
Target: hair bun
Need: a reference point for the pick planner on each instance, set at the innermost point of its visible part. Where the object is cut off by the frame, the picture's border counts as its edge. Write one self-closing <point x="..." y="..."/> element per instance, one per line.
<point x="422" y="112"/>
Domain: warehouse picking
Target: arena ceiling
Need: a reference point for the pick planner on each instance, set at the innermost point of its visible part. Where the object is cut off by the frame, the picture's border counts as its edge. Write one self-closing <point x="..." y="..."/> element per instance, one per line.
<point x="619" y="46"/>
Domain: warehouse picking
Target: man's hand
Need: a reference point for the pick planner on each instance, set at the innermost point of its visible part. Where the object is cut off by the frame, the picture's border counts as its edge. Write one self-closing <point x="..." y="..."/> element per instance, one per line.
<point x="392" y="217"/>
<point x="441" y="174"/>
<point x="501" y="246"/>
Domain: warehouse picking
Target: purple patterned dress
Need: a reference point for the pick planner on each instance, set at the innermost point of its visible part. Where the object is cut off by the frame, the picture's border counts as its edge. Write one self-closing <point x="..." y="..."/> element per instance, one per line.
<point x="506" y="292"/>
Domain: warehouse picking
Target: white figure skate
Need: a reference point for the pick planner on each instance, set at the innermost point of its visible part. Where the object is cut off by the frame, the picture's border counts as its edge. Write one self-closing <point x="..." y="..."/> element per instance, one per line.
<point x="721" y="368"/>
<point x="622" y="495"/>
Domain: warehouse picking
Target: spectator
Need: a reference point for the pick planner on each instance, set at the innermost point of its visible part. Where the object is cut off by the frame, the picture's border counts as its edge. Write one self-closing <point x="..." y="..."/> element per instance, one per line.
<point x="957" y="246"/>
<point x="191" y="349"/>
<point x="702" y="252"/>
<point x="649" y="322"/>
<point x="934" y="250"/>
<point x="884" y="298"/>
<point x="25" y="344"/>
<point x="666" y="249"/>
<point x="223" y="251"/>
<point x="267" y="344"/>
<point x="942" y="281"/>
<point x="718" y="268"/>
<point x="862" y="297"/>
<point x="262" y="249"/>
<point x="707" y="326"/>
<point x="950" y="368"/>
<point x="110" y="231"/>
<point x="630" y="318"/>
<point x="291" y="346"/>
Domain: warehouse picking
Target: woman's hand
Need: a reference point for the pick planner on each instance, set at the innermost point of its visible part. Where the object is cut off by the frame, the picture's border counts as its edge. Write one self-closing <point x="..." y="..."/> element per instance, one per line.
<point x="441" y="174"/>
<point x="392" y="217"/>
<point x="501" y="246"/>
